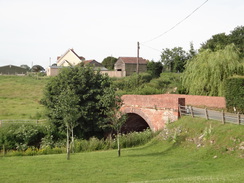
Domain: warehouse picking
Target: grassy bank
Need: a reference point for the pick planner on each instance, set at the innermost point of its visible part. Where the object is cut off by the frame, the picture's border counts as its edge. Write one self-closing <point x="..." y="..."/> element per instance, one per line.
<point x="173" y="156"/>
<point x="20" y="96"/>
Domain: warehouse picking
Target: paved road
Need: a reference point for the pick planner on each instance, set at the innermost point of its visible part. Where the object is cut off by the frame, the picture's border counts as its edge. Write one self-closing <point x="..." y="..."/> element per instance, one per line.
<point x="216" y="115"/>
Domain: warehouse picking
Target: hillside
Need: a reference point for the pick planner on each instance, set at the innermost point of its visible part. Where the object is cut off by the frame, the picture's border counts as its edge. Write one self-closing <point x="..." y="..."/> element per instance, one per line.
<point x="20" y="97"/>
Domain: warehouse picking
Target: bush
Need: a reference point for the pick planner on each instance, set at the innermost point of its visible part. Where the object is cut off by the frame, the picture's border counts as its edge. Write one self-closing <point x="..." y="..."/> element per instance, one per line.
<point x="234" y="93"/>
<point x="132" y="82"/>
<point x="21" y="136"/>
<point x="126" y="140"/>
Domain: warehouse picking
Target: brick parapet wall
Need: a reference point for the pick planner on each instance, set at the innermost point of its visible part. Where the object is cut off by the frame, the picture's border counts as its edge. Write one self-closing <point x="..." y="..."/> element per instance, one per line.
<point x="197" y="100"/>
<point x="172" y="101"/>
<point x="151" y="101"/>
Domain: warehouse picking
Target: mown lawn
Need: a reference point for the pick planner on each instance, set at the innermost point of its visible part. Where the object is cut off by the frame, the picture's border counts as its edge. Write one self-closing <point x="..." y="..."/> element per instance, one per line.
<point x="158" y="161"/>
<point x="20" y="97"/>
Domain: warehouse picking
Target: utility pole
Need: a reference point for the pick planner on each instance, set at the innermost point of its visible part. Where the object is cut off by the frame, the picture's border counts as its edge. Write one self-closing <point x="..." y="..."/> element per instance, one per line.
<point x="137" y="66"/>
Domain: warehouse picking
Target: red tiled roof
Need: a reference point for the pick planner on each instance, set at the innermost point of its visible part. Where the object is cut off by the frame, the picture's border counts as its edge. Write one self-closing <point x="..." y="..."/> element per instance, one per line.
<point x="87" y="61"/>
<point x="133" y="60"/>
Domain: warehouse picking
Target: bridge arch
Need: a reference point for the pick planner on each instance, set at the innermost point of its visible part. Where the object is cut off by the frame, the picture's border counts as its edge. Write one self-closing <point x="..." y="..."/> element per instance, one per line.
<point x="140" y="114"/>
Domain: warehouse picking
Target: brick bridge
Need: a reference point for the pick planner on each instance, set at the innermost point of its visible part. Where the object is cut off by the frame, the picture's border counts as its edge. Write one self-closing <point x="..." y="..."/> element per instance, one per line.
<point x="153" y="111"/>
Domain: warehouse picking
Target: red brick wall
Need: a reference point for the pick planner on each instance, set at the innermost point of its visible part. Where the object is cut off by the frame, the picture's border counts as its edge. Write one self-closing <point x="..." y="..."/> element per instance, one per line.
<point x="197" y="100"/>
<point x="151" y="101"/>
<point x="171" y="100"/>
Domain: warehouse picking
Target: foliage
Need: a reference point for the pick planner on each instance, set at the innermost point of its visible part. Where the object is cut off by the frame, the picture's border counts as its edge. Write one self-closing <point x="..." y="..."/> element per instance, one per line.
<point x="95" y="97"/>
<point x="21" y="136"/>
<point x="234" y="94"/>
<point x="67" y="108"/>
<point x="220" y="41"/>
<point x="109" y="62"/>
<point x="167" y="83"/>
<point x="132" y="139"/>
<point x="132" y="82"/>
<point x="217" y="42"/>
<point x="207" y="72"/>
<point x="154" y="68"/>
<point x="174" y="59"/>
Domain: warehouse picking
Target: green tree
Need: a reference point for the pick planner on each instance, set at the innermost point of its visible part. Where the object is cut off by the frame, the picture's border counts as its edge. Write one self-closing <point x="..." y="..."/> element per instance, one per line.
<point x="174" y="59"/>
<point x="207" y="72"/>
<point x="216" y="42"/>
<point x="192" y="51"/>
<point x="114" y="117"/>
<point x="67" y="108"/>
<point x="237" y="37"/>
<point x="109" y="62"/>
<point x="91" y="89"/>
<point x="154" y="68"/>
<point x="220" y="41"/>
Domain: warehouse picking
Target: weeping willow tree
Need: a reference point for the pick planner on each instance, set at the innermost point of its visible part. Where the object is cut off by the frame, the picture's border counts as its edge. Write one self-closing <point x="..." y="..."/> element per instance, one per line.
<point x="207" y="72"/>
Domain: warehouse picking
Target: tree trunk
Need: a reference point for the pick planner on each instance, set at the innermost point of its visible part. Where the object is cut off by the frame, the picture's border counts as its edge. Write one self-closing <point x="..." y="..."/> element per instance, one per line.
<point x="72" y="141"/>
<point x="118" y="145"/>
<point x="68" y="146"/>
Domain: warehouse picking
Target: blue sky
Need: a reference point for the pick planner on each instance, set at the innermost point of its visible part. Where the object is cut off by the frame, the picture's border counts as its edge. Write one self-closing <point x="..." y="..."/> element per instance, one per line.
<point x="33" y="31"/>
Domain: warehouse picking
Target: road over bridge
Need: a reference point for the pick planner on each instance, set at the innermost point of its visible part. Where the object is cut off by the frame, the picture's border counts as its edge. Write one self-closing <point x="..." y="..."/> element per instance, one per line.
<point x="154" y="111"/>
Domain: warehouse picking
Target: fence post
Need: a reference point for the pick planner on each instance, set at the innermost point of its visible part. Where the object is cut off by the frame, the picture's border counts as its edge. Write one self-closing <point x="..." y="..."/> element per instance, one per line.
<point x="238" y="118"/>
<point x="192" y="113"/>
<point x="0" y="123"/>
<point x="179" y="110"/>
<point x="223" y="117"/>
<point x="206" y="113"/>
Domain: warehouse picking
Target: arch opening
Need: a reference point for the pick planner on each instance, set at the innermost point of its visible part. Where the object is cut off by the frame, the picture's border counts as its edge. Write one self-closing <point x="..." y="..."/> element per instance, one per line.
<point x="134" y="123"/>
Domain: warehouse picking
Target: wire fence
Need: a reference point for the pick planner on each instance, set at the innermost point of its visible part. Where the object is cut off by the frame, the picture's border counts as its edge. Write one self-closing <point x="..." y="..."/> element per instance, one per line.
<point x="222" y="116"/>
<point x="22" y="121"/>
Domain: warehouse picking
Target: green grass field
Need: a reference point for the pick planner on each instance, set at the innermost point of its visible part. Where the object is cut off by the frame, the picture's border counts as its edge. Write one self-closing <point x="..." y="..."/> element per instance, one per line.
<point x="155" y="162"/>
<point x="189" y="150"/>
<point x="170" y="157"/>
<point x="20" y="97"/>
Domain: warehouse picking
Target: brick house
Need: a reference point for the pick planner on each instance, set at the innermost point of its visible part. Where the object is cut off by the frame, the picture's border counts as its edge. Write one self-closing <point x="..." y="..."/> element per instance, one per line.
<point x="129" y="65"/>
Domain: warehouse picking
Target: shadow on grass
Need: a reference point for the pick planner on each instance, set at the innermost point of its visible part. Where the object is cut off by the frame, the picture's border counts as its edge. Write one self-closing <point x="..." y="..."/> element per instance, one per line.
<point x="157" y="148"/>
<point x="155" y="152"/>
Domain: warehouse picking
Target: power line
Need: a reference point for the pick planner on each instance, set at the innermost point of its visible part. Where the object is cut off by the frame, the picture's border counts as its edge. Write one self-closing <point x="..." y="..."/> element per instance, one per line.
<point x="155" y="49"/>
<point x="177" y="23"/>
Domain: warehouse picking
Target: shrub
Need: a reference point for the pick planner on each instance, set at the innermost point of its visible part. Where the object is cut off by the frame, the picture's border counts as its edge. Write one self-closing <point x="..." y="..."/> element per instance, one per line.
<point x="234" y="93"/>
<point x="21" y="136"/>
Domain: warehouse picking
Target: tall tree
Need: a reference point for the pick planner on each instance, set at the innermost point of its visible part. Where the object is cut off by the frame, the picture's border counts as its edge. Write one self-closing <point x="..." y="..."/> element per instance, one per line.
<point x="154" y="68"/>
<point x="220" y="41"/>
<point x="109" y="62"/>
<point x="114" y="117"/>
<point x="67" y="108"/>
<point x="192" y="51"/>
<point x="174" y="59"/>
<point x="217" y="42"/>
<point x="207" y="72"/>
<point x="90" y="88"/>
<point x="237" y="37"/>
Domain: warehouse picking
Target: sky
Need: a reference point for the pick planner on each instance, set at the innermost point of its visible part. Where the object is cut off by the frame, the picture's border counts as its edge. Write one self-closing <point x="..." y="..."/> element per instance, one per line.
<point x="37" y="31"/>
